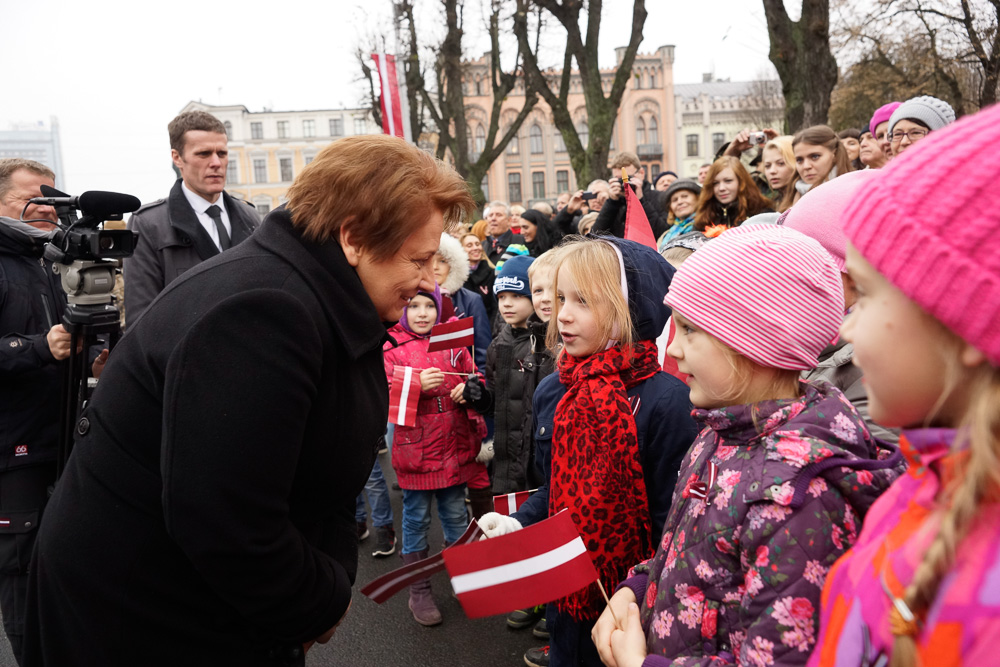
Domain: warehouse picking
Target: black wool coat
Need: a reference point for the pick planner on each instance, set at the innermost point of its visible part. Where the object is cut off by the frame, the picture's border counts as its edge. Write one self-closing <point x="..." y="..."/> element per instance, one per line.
<point x="206" y="516"/>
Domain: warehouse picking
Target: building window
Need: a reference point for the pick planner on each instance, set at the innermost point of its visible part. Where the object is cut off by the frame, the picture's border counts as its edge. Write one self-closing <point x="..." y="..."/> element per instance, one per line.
<point x="336" y="127"/>
<point x="485" y="187"/>
<point x="718" y="138"/>
<point x="308" y="158"/>
<point x="692" y="145"/>
<point x="652" y="80"/>
<point x="562" y="181"/>
<point x="260" y="170"/>
<point x="263" y="205"/>
<point x="538" y="184"/>
<point x="308" y="128"/>
<point x="512" y="145"/>
<point x="285" y="164"/>
<point x="479" y="86"/>
<point x="229" y="130"/>
<point x="560" y="142"/>
<point x="480" y="139"/>
<point x="232" y="175"/>
<point x="360" y="126"/>
<point x="535" y="138"/>
<point x="583" y="131"/>
<point x="514" y="187"/>
<point x="256" y="130"/>
<point x="282" y="129"/>
<point x="655" y="169"/>
<point x="653" y="132"/>
<point x="640" y="131"/>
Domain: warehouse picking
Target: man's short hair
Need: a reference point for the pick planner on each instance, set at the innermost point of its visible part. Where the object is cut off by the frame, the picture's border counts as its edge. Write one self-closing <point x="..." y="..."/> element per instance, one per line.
<point x="595" y="185"/>
<point x="499" y="204"/>
<point x="383" y="188"/>
<point x="11" y="164"/>
<point x="543" y="207"/>
<point x="625" y="159"/>
<point x="192" y="120"/>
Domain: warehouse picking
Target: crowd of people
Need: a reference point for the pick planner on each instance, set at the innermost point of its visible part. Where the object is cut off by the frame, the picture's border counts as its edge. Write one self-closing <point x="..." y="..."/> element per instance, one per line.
<point x="778" y="431"/>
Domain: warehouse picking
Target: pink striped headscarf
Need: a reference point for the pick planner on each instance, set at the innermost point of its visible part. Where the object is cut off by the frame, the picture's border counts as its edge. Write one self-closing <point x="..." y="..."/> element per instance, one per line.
<point x="771" y="293"/>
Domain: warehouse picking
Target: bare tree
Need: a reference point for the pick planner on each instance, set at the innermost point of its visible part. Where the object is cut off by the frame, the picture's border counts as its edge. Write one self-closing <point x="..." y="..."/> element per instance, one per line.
<point x="800" y="51"/>
<point x="763" y="106"/>
<point x="589" y="161"/>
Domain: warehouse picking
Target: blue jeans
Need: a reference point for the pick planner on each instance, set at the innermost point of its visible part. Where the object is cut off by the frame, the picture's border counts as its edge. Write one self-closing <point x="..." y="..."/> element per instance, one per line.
<point x="378" y="496"/>
<point x="417" y="516"/>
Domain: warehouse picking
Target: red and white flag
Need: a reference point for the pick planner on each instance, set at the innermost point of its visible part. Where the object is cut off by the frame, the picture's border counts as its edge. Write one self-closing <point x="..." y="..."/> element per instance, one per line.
<point x="405" y="396"/>
<point x="389" y="584"/>
<point x="449" y="335"/>
<point x="540" y="563"/>
<point x="508" y="503"/>
<point x="395" y="107"/>
<point x="637" y="226"/>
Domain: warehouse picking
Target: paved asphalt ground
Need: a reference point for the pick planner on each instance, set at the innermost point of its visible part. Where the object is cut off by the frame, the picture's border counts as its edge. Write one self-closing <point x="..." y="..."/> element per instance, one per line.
<point x="387" y="636"/>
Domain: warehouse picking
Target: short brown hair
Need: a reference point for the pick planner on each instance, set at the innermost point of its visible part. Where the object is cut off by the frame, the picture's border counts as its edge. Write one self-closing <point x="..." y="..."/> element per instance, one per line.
<point x="381" y="186"/>
<point x="11" y="164"/>
<point x="624" y="159"/>
<point x="192" y="120"/>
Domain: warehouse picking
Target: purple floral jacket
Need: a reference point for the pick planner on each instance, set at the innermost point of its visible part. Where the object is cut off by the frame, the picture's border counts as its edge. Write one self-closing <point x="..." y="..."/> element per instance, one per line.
<point x="769" y="496"/>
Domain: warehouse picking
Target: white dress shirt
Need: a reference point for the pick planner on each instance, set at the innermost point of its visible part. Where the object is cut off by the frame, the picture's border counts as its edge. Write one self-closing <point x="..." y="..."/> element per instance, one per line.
<point x="200" y="205"/>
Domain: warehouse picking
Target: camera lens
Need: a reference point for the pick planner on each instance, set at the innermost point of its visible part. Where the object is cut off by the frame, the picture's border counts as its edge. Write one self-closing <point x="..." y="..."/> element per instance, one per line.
<point x="107" y="242"/>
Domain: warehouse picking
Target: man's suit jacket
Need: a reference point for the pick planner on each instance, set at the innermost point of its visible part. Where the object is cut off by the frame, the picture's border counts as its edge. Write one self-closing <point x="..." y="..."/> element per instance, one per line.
<point x="171" y="241"/>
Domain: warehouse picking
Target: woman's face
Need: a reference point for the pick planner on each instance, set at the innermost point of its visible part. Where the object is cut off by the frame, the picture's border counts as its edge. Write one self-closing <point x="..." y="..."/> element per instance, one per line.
<point x="778" y="172"/>
<point x="441" y="269"/>
<point x="528" y="229"/>
<point x="682" y="203"/>
<point x="391" y="282"/>
<point x="813" y="162"/>
<point x="905" y="133"/>
<point x="473" y="248"/>
<point x="852" y="146"/>
<point x="870" y="154"/>
<point x="882" y="138"/>
<point x="421" y="314"/>
<point x="726" y="187"/>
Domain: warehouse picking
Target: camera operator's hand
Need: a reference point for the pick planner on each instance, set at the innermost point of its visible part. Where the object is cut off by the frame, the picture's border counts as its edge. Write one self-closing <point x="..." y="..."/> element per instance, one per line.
<point x="98" y="367"/>
<point x="431" y="378"/>
<point x="575" y="202"/>
<point x="740" y="143"/>
<point x="615" y="191"/>
<point x="59" y="341"/>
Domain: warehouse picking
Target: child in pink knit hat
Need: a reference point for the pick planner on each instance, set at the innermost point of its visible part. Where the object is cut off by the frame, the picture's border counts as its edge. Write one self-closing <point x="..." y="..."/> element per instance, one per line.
<point x="922" y="583"/>
<point x="774" y="488"/>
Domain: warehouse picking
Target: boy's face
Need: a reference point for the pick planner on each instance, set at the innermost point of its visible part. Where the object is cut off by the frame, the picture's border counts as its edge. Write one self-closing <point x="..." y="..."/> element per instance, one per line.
<point x="541" y="294"/>
<point x="515" y="309"/>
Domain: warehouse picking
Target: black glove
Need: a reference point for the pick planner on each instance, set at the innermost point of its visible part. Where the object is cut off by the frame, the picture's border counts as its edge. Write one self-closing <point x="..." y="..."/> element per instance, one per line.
<point x="477" y="395"/>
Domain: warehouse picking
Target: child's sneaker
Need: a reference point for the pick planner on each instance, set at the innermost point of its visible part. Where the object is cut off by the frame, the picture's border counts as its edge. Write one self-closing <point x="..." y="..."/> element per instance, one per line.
<point x="525" y="618"/>
<point x="362" y="531"/>
<point x="385" y="541"/>
<point x="537" y="657"/>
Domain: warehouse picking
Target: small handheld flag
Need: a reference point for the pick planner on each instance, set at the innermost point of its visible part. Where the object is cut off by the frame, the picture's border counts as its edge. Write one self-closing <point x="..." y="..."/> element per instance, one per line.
<point x="449" y="335"/>
<point x="508" y="503"/>
<point x="405" y="396"/>
<point x="636" y="224"/>
<point x="540" y="563"/>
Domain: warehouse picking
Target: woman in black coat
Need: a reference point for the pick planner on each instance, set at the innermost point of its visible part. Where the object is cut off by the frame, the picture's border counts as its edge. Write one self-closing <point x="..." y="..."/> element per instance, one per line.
<point x="206" y="515"/>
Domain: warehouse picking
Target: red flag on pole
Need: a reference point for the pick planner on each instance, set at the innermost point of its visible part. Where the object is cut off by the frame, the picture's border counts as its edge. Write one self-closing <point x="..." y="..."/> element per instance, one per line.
<point x="636" y="224"/>
<point x="542" y="562"/>
<point x="508" y="503"/>
<point x="449" y="335"/>
<point x="405" y="396"/>
<point x="395" y="107"/>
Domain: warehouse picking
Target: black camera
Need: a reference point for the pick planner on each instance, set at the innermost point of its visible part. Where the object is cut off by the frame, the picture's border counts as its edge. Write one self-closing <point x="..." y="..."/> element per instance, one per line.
<point x="80" y="238"/>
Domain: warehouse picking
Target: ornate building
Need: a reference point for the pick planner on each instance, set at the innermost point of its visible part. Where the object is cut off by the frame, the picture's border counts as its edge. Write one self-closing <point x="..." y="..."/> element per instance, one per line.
<point x="535" y="165"/>
<point x="268" y="148"/>
<point x="38" y="142"/>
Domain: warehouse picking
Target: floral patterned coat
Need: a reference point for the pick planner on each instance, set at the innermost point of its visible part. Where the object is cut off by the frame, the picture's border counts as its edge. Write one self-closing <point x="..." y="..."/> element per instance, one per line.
<point x="769" y="496"/>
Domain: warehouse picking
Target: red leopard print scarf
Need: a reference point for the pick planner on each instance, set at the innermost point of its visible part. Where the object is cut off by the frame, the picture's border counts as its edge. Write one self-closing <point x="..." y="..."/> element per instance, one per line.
<point x="596" y="472"/>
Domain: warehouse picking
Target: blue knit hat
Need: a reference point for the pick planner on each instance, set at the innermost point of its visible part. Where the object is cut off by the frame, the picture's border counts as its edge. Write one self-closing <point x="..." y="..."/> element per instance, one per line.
<point x="513" y="277"/>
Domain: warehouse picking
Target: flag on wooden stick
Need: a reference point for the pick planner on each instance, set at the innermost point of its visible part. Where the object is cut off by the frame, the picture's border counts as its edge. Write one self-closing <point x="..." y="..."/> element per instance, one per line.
<point x="405" y="396"/>
<point x="449" y="335"/>
<point x="395" y="106"/>
<point x="636" y="223"/>
<point x="540" y="563"/>
<point x="508" y="503"/>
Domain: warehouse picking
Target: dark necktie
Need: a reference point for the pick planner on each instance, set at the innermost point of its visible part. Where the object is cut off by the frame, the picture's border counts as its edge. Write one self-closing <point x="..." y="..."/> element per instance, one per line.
<point x="215" y="213"/>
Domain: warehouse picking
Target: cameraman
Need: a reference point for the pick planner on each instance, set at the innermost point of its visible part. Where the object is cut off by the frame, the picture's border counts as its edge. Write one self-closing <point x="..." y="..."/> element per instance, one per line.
<point x="31" y="345"/>
<point x="612" y="216"/>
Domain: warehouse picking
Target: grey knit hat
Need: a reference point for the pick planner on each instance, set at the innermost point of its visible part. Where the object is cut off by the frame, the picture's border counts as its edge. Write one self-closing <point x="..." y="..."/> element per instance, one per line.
<point x="682" y="184"/>
<point x="930" y="111"/>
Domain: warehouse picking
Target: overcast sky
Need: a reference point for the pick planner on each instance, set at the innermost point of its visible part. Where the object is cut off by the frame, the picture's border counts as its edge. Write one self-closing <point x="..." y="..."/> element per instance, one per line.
<point x="114" y="72"/>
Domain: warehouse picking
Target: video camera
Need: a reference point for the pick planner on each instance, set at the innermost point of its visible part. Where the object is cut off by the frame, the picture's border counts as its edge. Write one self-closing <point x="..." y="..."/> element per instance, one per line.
<point x="80" y="238"/>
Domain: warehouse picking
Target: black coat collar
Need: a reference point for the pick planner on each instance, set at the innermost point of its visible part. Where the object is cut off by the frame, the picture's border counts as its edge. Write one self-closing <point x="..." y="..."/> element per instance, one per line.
<point x="324" y="267"/>
<point x="185" y="220"/>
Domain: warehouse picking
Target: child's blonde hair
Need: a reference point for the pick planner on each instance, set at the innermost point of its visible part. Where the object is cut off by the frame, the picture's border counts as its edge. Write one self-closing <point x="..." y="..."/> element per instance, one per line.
<point x="785" y="382"/>
<point x="597" y="273"/>
<point x="547" y="261"/>
<point x="976" y="479"/>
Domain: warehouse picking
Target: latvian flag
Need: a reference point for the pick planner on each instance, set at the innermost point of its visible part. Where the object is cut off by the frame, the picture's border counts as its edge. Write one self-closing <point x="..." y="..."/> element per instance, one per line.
<point x="405" y="396"/>
<point x="543" y="562"/>
<point x="508" y="503"/>
<point x="395" y="106"/>
<point x="449" y="335"/>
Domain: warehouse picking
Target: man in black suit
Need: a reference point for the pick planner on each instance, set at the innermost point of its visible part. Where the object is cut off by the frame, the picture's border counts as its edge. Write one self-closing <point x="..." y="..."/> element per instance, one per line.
<point x="196" y="221"/>
<point x="498" y="232"/>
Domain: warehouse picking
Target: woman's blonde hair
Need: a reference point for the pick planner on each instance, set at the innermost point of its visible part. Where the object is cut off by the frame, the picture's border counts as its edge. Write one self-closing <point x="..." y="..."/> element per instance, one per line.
<point x="783" y="144"/>
<point x="597" y="274"/>
<point x="976" y="480"/>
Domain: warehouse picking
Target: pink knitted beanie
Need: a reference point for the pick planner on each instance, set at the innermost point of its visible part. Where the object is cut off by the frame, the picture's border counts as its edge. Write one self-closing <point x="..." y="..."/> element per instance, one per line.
<point x="770" y="293"/>
<point x="882" y="114"/>
<point x="930" y="223"/>
<point x="817" y="214"/>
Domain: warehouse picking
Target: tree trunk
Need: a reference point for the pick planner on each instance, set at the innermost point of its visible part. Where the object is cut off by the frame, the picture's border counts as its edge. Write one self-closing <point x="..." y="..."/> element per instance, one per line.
<point x="800" y="51"/>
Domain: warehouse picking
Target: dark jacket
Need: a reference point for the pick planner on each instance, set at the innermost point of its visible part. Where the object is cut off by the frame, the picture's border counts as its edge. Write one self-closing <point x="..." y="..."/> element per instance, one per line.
<point x="494" y="248"/>
<point x="468" y="304"/>
<point x="206" y="516"/>
<point x="566" y="222"/>
<point x="611" y="219"/>
<point x="480" y="281"/>
<point x="31" y="302"/>
<point x="171" y="241"/>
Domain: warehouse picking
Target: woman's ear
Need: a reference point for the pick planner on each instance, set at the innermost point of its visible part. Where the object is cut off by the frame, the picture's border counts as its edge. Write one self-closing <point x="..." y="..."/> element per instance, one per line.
<point x="351" y="249"/>
<point x="971" y="357"/>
